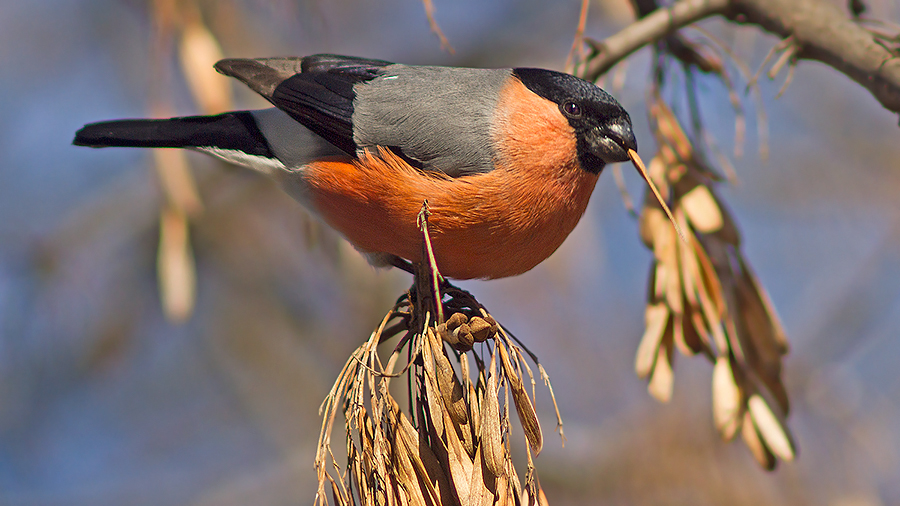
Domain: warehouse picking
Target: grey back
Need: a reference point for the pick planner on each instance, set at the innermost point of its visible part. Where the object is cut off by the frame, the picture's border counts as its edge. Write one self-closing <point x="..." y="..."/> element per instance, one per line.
<point x="440" y="117"/>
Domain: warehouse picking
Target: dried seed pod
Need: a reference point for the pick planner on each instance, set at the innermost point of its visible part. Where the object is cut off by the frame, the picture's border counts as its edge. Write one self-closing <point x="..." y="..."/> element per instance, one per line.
<point x="495" y="327"/>
<point x="491" y="436"/>
<point x="458" y="452"/>
<point x="657" y="319"/>
<point x="662" y="379"/>
<point x="771" y="428"/>
<point x="702" y="210"/>
<point x="480" y="328"/>
<point x="455" y="320"/>
<point x="527" y="416"/>
<point x="432" y="391"/>
<point x="464" y="337"/>
<point x="752" y="439"/>
<point x="727" y="400"/>
<point x="449" y="385"/>
<point x="447" y="335"/>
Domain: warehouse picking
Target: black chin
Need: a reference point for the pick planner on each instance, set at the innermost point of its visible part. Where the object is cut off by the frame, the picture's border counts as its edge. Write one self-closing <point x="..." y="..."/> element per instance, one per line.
<point x="588" y="160"/>
<point x="593" y="156"/>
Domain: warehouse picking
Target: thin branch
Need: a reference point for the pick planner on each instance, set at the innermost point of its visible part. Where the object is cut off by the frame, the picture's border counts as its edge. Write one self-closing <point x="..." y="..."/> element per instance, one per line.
<point x="788" y="55"/>
<point x="435" y="28"/>
<point x="788" y="79"/>
<point x="826" y="34"/>
<point x="653" y="27"/>
<point x="772" y="52"/>
<point x="576" y="54"/>
<point x="823" y="32"/>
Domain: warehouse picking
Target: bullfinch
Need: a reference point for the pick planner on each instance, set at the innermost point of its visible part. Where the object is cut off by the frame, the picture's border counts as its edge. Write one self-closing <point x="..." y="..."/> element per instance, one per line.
<point x="507" y="159"/>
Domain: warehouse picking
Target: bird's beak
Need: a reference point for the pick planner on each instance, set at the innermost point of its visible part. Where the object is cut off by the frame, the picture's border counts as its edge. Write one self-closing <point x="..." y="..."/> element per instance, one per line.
<point x="612" y="141"/>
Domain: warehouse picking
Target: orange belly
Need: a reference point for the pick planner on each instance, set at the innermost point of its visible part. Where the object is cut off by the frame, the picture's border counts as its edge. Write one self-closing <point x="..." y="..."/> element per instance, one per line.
<point x="490" y="225"/>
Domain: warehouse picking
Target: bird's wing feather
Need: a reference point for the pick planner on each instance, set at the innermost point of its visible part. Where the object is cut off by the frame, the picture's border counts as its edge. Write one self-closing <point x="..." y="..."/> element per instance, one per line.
<point x="435" y="118"/>
<point x="316" y="90"/>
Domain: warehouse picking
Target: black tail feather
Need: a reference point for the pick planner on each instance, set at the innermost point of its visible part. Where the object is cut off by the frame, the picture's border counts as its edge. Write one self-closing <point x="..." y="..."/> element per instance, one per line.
<point x="233" y="130"/>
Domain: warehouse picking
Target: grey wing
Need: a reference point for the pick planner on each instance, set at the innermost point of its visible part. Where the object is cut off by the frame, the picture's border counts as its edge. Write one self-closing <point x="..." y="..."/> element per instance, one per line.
<point x="437" y="118"/>
<point x="316" y="91"/>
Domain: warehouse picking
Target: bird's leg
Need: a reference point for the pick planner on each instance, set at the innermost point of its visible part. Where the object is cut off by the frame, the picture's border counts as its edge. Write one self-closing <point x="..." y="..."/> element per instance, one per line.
<point x="402" y="264"/>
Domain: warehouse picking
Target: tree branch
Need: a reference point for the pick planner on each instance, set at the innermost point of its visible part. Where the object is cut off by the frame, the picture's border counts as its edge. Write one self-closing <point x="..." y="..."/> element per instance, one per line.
<point x="821" y="30"/>
<point x="826" y="34"/>
<point x="651" y="28"/>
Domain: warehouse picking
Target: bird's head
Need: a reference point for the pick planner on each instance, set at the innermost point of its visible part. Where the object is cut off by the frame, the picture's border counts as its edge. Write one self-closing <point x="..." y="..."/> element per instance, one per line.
<point x="602" y="127"/>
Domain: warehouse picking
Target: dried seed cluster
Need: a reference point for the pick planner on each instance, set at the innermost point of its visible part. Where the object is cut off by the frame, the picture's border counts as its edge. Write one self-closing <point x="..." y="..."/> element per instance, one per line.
<point x="704" y="298"/>
<point x="452" y="446"/>
<point x="461" y="331"/>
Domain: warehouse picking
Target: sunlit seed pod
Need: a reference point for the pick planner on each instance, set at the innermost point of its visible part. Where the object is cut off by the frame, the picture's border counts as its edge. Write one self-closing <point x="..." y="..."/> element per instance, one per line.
<point x="702" y="210"/>
<point x="771" y="428"/>
<point x="727" y="399"/>
<point x="754" y="442"/>
<point x="662" y="378"/>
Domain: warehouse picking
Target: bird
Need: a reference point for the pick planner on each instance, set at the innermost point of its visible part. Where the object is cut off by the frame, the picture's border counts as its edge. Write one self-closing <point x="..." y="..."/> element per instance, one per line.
<point x="506" y="158"/>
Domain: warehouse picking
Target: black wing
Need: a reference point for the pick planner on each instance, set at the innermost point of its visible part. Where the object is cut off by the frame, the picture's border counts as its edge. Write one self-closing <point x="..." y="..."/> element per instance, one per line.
<point x="315" y="90"/>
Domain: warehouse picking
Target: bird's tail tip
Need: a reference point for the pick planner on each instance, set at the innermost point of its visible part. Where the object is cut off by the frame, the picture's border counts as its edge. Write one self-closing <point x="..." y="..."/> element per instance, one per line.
<point x="118" y="133"/>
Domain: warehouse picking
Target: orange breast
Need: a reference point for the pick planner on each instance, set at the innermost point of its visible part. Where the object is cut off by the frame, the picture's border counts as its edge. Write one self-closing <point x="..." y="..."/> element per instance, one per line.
<point x="490" y="225"/>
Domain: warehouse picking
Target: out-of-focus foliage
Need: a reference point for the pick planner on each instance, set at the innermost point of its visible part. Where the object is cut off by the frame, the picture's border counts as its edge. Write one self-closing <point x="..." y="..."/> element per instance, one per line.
<point x="105" y="401"/>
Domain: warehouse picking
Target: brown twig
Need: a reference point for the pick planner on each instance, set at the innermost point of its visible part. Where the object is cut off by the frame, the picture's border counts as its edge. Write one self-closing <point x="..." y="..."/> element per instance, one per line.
<point x="774" y="49"/>
<point x="576" y="54"/>
<point x="790" y="77"/>
<point x="435" y="28"/>
<point x="434" y="275"/>
<point x="790" y="52"/>
<point x="761" y="121"/>
<point x="653" y="27"/>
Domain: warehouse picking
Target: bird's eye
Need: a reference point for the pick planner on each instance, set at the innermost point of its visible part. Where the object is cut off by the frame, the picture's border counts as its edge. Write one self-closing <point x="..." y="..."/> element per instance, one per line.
<point x="571" y="109"/>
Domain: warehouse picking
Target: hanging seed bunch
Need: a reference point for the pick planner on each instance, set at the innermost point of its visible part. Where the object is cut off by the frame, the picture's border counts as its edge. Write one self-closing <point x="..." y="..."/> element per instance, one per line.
<point x="704" y="299"/>
<point x="452" y="445"/>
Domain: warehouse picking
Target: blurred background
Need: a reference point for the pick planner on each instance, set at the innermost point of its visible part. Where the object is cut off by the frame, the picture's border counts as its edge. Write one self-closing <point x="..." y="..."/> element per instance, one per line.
<point x="201" y="385"/>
